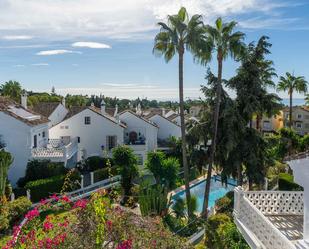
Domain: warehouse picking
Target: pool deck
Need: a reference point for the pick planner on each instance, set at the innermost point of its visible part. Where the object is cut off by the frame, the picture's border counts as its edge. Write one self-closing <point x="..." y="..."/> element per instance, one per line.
<point x="182" y="188"/>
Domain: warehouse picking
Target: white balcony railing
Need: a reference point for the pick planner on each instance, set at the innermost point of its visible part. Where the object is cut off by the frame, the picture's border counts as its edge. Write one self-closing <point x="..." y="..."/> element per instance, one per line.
<point x="57" y="150"/>
<point x="251" y="209"/>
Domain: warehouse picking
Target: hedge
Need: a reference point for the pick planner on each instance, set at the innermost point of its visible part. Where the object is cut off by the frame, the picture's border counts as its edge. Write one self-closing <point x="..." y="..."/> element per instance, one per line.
<point x="286" y="183"/>
<point x="102" y="174"/>
<point x="42" y="188"/>
<point x="41" y="169"/>
<point x="94" y="163"/>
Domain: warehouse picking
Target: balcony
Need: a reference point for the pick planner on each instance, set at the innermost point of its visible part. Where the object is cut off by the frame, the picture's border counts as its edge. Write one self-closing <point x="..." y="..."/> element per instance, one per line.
<point x="270" y="219"/>
<point x="57" y="150"/>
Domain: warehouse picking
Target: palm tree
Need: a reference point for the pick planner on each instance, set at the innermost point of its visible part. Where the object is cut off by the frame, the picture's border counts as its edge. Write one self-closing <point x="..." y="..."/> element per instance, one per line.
<point x="11" y="89"/>
<point x="180" y="33"/>
<point x="292" y="83"/>
<point x="221" y="40"/>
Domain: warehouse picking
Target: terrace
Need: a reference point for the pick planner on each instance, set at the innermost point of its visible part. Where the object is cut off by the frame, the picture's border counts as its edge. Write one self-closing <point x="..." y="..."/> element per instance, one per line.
<point x="57" y="150"/>
<point x="276" y="219"/>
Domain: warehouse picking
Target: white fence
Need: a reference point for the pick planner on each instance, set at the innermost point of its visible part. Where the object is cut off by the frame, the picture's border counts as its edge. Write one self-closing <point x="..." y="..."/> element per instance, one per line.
<point x="251" y="207"/>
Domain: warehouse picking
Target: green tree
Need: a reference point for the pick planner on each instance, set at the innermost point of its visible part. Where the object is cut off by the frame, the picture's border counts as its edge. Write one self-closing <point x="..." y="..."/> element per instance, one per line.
<point x="291" y="83"/>
<point x="179" y="34"/>
<point x="165" y="170"/>
<point x="222" y="40"/>
<point x="126" y="161"/>
<point x="11" y="89"/>
<point x="5" y="162"/>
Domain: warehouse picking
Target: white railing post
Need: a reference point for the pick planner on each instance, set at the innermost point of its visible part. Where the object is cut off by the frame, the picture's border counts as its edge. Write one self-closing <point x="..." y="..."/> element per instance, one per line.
<point x="12" y="196"/>
<point x="91" y="178"/>
<point x="81" y="181"/>
<point x="266" y="183"/>
<point x="28" y="194"/>
<point x="238" y="193"/>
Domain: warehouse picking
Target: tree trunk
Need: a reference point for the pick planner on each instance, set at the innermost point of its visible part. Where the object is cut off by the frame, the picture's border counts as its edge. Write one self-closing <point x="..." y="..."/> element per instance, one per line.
<point x="291" y="107"/>
<point x="258" y="122"/>
<point x="183" y="132"/>
<point x="239" y="175"/>
<point x="214" y="138"/>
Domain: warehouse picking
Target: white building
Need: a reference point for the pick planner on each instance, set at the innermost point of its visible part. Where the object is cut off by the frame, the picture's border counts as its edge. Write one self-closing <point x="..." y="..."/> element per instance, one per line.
<point x="54" y="111"/>
<point x="140" y="134"/>
<point x="276" y="219"/>
<point x="167" y="128"/>
<point x="97" y="131"/>
<point x="26" y="136"/>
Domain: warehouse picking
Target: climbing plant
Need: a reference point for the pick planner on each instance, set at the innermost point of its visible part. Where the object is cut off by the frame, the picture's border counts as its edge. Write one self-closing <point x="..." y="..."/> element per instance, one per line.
<point x="5" y="162"/>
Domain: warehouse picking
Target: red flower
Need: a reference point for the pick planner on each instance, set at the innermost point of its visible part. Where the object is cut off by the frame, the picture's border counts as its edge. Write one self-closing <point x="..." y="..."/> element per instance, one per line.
<point x="65" y="199"/>
<point x="126" y="244"/>
<point x="109" y="225"/>
<point x="47" y="225"/>
<point x="32" y="214"/>
<point x="80" y="204"/>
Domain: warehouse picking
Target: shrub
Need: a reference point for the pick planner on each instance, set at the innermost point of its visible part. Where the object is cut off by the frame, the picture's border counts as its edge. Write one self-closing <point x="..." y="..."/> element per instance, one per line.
<point x="18" y="208"/>
<point x="42" y="188"/>
<point x="286" y="183"/>
<point x="41" y="169"/>
<point x="225" y="204"/>
<point x="96" y="162"/>
<point x="101" y="174"/>
<point x="4" y="217"/>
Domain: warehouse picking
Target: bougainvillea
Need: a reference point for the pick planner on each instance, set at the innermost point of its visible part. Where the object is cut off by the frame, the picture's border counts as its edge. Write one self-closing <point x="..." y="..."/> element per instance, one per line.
<point x="60" y="222"/>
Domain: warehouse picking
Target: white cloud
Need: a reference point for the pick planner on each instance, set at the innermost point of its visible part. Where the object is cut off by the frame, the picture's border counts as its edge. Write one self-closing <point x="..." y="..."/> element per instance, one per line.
<point x="76" y="19"/>
<point x="17" y="37"/>
<point x="57" y="51"/>
<point x="40" y="64"/>
<point x="90" y="45"/>
<point x="19" y="65"/>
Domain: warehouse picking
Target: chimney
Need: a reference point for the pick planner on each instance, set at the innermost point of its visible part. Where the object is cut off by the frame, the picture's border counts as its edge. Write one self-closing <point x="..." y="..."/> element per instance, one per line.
<point x="139" y="109"/>
<point x="117" y="118"/>
<point x="63" y="101"/>
<point x="24" y="100"/>
<point x="102" y="106"/>
<point x="116" y="110"/>
<point x="163" y="112"/>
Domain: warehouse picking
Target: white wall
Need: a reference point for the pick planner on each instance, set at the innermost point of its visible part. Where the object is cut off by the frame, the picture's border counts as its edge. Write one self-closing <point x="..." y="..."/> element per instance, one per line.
<point x="167" y="128"/>
<point x="19" y="140"/>
<point x="137" y="124"/>
<point x="92" y="136"/>
<point x="57" y="115"/>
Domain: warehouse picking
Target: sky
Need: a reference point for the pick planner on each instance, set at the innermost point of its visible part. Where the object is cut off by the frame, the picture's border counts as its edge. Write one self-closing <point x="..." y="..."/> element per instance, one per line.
<point x="105" y="46"/>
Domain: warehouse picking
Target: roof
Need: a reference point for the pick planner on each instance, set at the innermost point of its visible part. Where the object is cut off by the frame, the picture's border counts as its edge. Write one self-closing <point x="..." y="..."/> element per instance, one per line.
<point x="304" y="108"/>
<point x="173" y="116"/>
<point x="140" y="117"/>
<point x="45" y="108"/>
<point x="153" y="111"/>
<point x="7" y="106"/>
<point x="77" y="109"/>
<point x="165" y="118"/>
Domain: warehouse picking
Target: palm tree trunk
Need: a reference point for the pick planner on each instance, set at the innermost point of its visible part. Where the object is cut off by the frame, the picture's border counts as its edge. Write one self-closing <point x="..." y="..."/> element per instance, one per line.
<point x="291" y="107"/>
<point x="214" y="138"/>
<point x="183" y="132"/>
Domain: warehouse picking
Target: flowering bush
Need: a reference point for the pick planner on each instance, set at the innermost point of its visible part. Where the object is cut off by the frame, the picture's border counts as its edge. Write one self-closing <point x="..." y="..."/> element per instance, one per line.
<point x="94" y="223"/>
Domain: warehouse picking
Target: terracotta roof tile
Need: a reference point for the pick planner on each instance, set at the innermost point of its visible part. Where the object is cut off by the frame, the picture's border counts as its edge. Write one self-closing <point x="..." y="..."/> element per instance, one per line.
<point x="45" y="108"/>
<point x="6" y="103"/>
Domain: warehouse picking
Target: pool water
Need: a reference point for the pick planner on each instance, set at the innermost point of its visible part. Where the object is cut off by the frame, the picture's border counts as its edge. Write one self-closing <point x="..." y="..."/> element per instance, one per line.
<point x="217" y="190"/>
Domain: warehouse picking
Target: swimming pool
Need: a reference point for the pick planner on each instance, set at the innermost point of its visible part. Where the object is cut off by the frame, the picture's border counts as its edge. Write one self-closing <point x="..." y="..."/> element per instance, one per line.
<point x="217" y="190"/>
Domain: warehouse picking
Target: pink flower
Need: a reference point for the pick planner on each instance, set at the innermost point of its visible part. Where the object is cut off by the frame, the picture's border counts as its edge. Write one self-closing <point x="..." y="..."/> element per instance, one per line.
<point x="47" y="225"/>
<point x="32" y="214"/>
<point x="109" y="225"/>
<point x="80" y="204"/>
<point x="126" y="244"/>
<point x="54" y="197"/>
<point x="65" y="199"/>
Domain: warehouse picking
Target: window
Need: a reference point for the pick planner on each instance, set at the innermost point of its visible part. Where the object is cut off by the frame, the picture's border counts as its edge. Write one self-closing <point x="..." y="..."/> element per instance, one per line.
<point x="78" y="139"/>
<point x="87" y="121"/>
<point x="111" y="142"/>
<point x="66" y="127"/>
<point x="43" y="134"/>
<point x="299" y="116"/>
<point x="266" y="125"/>
<point x="298" y="125"/>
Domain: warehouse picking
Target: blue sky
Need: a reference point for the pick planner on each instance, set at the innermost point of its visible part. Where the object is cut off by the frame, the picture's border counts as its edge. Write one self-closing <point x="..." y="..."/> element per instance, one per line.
<point x="104" y="46"/>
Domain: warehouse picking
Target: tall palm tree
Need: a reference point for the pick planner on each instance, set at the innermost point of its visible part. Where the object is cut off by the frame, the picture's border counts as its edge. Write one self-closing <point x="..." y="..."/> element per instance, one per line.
<point x="292" y="83"/>
<point x="179" y="34"/>
<point x="221" y="40"/>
